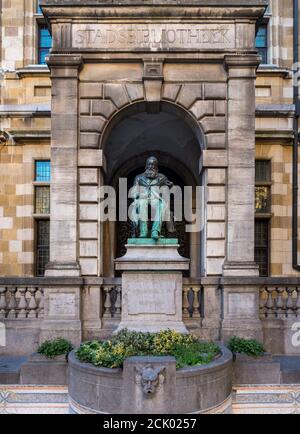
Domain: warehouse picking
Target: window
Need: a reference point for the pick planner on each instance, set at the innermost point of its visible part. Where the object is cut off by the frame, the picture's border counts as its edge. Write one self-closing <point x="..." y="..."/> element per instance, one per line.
<point x="42" y="214"/>
<point x="262" y="246"/>
<point x="42" y="200"/>
<point x="42" y="246"/>
<point x="263" y="214"/>
<point x="263" y="186"/>
<point x="261" y="43"/>
<point x="42" y="171"/>
<point x="44" y="43"/>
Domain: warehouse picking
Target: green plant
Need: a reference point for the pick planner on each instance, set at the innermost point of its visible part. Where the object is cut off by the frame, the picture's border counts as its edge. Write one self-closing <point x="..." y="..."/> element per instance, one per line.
<point x="187" y="350"/>
<point x="250" y="347"/>
<point x="57" y="347"/>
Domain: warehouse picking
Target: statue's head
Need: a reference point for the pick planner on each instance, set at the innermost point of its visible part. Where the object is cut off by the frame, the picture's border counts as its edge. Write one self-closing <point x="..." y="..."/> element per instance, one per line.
<point x="152" y="167"/>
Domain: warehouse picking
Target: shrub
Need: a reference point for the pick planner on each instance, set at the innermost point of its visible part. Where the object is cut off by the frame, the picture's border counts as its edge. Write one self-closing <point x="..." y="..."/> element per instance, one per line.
<point x="250" y="347"/>
<point x="187" y="350"/>
<point x="54" y="348"/>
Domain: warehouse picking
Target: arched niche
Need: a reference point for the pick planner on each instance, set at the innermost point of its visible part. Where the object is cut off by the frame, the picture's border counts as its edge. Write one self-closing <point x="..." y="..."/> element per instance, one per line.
<point x="133" y="135"/>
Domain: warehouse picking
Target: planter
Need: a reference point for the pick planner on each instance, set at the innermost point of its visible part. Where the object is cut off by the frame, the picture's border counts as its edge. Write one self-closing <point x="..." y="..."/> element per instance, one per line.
<point x="39" y="370"/>
<point x="255" y="370"/>
<point x="151" y="385"/>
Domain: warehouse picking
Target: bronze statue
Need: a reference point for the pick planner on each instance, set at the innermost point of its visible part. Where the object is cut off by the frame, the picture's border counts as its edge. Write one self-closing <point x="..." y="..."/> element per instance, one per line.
<point x="147" y="194"/>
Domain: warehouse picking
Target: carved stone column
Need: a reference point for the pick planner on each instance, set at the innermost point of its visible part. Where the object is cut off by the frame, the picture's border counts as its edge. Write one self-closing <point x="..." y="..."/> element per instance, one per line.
<point x="241" y="166"/>
<point x="241" y="301"/>
<point x="64" y="156"/>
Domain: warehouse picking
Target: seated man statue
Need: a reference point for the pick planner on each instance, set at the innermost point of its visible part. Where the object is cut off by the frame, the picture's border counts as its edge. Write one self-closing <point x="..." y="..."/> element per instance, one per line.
<point x="146" y="194"/>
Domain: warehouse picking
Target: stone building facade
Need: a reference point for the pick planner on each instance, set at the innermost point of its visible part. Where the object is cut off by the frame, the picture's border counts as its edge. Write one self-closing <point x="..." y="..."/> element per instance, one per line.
<point x="125" y="79"/>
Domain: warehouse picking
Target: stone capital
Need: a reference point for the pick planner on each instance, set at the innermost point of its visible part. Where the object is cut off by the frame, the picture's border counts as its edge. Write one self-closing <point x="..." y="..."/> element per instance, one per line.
<point x="240" y="66"/>
<point x="64" y="66"/>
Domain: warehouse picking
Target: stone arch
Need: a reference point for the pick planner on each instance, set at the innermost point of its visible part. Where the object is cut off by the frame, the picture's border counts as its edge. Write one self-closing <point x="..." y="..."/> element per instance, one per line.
<point x="143" y="106"/>
<point x="203" y="105"/>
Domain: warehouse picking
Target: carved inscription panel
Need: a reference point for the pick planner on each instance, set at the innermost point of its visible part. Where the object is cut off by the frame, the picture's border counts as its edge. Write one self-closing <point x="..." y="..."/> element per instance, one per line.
<point x="153" y="37"/>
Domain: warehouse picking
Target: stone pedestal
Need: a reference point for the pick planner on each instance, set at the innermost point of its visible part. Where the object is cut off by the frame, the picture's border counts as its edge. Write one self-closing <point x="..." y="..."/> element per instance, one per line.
<point x="241" y="310"/>
<point x="62" y="314"/>
<point x="152" y="285"/>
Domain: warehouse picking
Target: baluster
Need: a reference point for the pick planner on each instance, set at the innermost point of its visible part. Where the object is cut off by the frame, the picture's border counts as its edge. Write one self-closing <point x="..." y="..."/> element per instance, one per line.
<point x="118" y="305"/>
<point x="32" y="305"/>
<point x="270" y="303"/>
<point x="107" y="302"/>
<point x="191" y="297"/>
<point x="185" y="302"/>
<point x="290" y="309"/>
<point x="22" y="306"/>
<point x="3" y="304"/>
<point x="262" y="302"/>
<point x="113" y="300"/>
<point x="279" y="303"/>
<point x="298" y="302"/>
<point x="41" y="304"/>
<point x="12" y="304"/>
<point x="196" y="304"/>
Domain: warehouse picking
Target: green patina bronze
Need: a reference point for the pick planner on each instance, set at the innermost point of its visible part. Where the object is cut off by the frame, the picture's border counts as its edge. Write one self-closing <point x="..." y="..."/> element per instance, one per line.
<point x="147" y="195"/>
<point x="152" y="242"/>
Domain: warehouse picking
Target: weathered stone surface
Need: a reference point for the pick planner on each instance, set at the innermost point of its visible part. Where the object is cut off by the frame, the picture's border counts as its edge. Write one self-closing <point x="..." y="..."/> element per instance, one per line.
<point x="38" y="370"/>
<point x="213" y="124"/>
<point x="152" y="287"/>
<point x="215" y="91"/>
<point x="216" y="141"/>
<point x="170" y="91"/>
<point x="200" y="389"/>
<point x="91" y="90"/>
<point x="88" y="194"/>
<point x="135" y="91"/>
<point x="90" y="158"/>
<point x="89" y="266"/>
<point x="89" y="140"/>
<point x="104" y="108"/>
<point x="116" y="93"/>
<point x="88" y="176"/>
<point x="94" y="123"/>
<point x="189" y="94"/>
<point x="251" y="370"/>
<point x="88" y="230"/>
<point x="203" y="108"/>
<point x="153" y="36"/>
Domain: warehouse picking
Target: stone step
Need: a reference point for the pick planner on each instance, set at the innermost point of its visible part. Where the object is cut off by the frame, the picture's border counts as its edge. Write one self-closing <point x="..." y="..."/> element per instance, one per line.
<point x="281" y="399"/>
<point x="290" y="369"/>
<point x="290" y="377"/>
<point x="10" y="368"/>
<point x="34" y="400"/>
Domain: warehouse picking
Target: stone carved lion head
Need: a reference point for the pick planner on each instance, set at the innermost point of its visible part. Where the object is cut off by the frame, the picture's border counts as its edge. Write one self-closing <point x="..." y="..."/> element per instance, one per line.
<point x="150" y="379"/>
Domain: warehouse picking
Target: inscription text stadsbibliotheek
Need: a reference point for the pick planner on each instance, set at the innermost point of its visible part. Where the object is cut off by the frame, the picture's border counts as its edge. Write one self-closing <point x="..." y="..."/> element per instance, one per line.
<point x="153" y="36"/>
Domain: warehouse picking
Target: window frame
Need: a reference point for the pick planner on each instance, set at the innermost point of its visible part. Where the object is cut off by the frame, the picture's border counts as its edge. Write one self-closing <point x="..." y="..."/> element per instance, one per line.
<point x="265" y="22"/>
<point x="36" y="245"/>
<point x="40" y="23"/>
<point x="268" y="248"/>
<point x="265" y="216"/>
<point x="39" y="217"/>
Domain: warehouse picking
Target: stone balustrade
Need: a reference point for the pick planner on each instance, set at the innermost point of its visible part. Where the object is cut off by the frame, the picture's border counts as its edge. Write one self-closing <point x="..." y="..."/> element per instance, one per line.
<point x="24" y="298"/>
<point x="279" y="302"/>
<point x="21" y="302"/>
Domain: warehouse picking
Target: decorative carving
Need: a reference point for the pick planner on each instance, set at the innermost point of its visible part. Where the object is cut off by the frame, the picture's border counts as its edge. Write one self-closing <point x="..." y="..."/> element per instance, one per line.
<point x="150" y="379"/>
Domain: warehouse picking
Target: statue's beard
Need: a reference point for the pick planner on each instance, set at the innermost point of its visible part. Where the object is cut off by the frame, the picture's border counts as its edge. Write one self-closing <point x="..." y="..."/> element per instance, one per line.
<point x="151" y="173"/>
